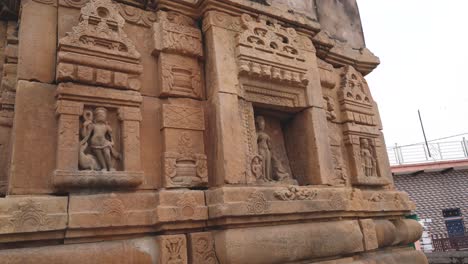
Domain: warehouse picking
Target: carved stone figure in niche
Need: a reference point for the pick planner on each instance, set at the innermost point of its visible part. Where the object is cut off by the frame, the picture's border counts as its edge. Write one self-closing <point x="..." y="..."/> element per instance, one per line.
<point x="330" y="107"/>
<point x="97" y="146"/>
<point x="272" y="169"/>
<point x="369" y="163"/>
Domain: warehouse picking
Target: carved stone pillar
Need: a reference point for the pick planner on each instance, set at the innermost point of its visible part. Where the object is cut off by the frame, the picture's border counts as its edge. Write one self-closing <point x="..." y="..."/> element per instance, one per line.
<point x="131" y="118"/>
<point x="68" y="134"/>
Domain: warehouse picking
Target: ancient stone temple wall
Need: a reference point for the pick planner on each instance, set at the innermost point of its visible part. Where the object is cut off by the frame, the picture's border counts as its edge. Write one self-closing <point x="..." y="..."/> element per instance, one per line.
<point x="193" y="131"/>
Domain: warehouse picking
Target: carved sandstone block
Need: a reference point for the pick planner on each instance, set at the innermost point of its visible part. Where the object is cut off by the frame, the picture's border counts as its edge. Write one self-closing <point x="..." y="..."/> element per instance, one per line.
<point x="180" y="76"/>
<point x="35" y="143"/>
<point x="397" y="232"/>
<point x="32" y="214"/>
<point x="140" y="250"/>
<point x="298" y="242"/>
<point x="184" y="160"/>
<point x="172" y="249"/>
<point x="112" y="210"/>
<point x="369" y="233"/>
<point x="151" y="142"/>
<point x="275" y="200"/>
<point x="201" y="248"/>
<point x="181" y="205"/>
<point x="99" y="141"/>
<point x="176" y="33"/>
<point x="39" y="19"/>
<point x="97" y="51"/>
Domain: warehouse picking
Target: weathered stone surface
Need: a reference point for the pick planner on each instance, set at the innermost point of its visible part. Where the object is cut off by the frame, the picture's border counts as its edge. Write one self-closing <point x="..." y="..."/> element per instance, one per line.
<point x="35" y="139"/>
<point x="345" y="26"/>
<point x="172" y="249"/>
<point x="194" y="131"/>
<point x="298" y="242"/>
<point x="141" y="250"/>
<point x="112" y="210"/>
<point x="201" y="248"/>
<point x="38" y="41"/>
<point x="181" y="205"/>
<point x="32" y="214"/>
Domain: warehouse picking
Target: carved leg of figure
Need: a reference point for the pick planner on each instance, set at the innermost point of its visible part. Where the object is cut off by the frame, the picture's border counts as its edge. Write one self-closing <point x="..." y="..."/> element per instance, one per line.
<point x="101" y="159"/>
<point x="108" y="158"/>
<point x="268" y="170"/>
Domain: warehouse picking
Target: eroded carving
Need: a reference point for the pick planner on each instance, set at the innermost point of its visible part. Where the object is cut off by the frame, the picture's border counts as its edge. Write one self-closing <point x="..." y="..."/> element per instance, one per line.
<point x="272" y="169"/>
<point x="180" y="76"/>
<point x="136" y="15"/>
<point x="330" y="108"/>
<point x="183" y="117"/>
<point x="203" y="251"/>
<point x="257" y="203"/>
<point x="368" y="158"/>
<point x="174" y="250"/>
<point x="185" y="167"/>
<point x="355" y="100"/>
<point x="270" y="52"/>
<point x="177" y="33"/>
<point x="97" y="150"/>
<point x="97" y="51"/>
<point x="295" y="193"/>
<point x="29" y="216"/>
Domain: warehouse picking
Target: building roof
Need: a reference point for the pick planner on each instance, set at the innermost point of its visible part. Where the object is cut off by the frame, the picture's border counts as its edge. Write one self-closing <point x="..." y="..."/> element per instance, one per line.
<point x="435" y="189"/>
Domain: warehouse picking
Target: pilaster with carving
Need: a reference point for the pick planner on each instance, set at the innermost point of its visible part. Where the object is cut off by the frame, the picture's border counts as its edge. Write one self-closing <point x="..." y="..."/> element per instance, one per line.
<point x="184" y="160"/>
<point x="99" y="125"/>
<point x="178" y="48"/>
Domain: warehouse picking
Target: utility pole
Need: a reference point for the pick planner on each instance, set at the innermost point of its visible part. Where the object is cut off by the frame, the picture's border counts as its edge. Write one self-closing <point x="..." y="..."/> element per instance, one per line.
<point x="424" y="134"/>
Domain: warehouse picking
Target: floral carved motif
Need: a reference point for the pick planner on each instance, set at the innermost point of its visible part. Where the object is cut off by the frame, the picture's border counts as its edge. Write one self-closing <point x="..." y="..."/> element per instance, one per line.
<point x="257" y="203"/>
<point x="173" y="249"/>
<point x="97" y="51"/>
<point x="295" y="193"/>
<point x="202" y="248"/>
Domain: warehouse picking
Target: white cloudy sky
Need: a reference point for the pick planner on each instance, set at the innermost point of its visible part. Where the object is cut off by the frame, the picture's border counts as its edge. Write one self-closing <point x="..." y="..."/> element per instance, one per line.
<point x="422" y="45"/>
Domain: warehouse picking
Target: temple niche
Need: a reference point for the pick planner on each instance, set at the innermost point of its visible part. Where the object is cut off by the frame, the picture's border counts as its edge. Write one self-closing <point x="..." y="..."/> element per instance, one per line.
<point x="271" y="164"/>
<point x="99" y="141"/>
<point x="193" y="132"/>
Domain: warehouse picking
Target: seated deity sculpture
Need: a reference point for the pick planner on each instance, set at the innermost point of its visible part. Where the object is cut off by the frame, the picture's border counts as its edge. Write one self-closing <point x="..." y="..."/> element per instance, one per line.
<point x="97" y="146"/>
<point x="272" y="169"/>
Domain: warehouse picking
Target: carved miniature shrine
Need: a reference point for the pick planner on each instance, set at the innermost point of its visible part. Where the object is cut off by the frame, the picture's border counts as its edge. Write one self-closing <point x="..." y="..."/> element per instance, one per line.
<point x="193" y="131"/>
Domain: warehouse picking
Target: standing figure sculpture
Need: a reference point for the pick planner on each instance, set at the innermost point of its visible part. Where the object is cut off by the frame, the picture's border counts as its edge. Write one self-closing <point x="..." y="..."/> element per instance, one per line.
<point x="369" y="163"/>
<point x="271" y="167"/>
<point x="97" y="134"/>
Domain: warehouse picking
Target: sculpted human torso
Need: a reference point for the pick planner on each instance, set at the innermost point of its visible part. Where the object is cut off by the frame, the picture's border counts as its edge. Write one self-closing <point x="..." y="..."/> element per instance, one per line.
<point x="97" y="134"/>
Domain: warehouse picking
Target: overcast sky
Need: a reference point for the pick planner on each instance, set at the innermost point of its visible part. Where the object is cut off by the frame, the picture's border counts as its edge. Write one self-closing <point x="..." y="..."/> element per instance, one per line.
<point x="422" y="45"/>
